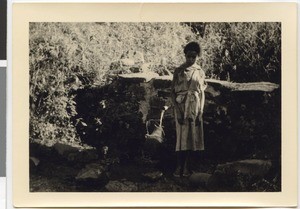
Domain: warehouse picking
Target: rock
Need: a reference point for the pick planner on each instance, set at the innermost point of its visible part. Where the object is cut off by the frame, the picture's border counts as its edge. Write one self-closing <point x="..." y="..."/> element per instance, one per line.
<point x="138" y="77"/>
<point x="64" y="149"/>
<point x="121" y="186"/>
<point x="41" y="151"/>
<point x="76" y="154"/>
<point x="92" y="176"/>
<point x="34" y="160"/>
<point x="199" y="179"/>
<point x="253" y="86"/>
<point x="33" y="164"/>
<point x="251" y="167"/>
<point x="162" y="82"/>
<point x="212" y="92"/>
<point x="91" y="171"/>
<point x="153" y="176"/>
<point x="221" y="182"/>
<point x="238" y="176"/>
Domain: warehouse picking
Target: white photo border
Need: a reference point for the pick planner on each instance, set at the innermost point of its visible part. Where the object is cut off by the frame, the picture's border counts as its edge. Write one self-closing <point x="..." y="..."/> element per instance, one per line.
<point x="23" y="13"/>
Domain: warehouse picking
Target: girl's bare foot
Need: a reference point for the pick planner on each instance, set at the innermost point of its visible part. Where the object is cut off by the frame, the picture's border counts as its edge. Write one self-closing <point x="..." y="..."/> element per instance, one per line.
<point x="177" y="172"/>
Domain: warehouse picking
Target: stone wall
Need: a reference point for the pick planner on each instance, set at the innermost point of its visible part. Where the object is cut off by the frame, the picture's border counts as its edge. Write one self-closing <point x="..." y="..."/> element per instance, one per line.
<point x="242" y="127"/>
<point x="240" y="120"/>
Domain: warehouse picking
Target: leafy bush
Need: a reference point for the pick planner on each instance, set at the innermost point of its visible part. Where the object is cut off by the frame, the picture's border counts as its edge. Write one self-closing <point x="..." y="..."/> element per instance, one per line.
<point x="65" y="57"/>
<point x="254" y="48"/>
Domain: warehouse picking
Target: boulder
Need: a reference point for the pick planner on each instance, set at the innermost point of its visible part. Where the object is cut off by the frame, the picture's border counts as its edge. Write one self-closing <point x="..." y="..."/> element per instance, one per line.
<point x="76" y="153"/>
<point x="92" y="175"/>
<point x="253" y="86"/>
<point x="137" y="77"/>
<point x="222" y="182"/>
<point x="238" y="175"/>
<point x="64" y="149"/>
<point x="33" y="164"/>
<point x="199" y="179"/>
<point x="210" y="91"/>
<point x="41" y="151"/>
<point x="121" y="186"/>
<point x="162" y="82"/>
<point x="34" y="161"/>
<point x="91" y="171"/>
<point x="252" y="167"/>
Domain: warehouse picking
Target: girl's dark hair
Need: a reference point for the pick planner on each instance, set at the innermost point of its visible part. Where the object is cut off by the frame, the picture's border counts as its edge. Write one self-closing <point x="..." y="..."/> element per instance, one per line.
<point x="192" y="46"/>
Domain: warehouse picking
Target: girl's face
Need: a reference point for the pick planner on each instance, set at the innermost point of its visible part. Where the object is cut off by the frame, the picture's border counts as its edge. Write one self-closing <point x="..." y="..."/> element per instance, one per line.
<point x="191" y="57"/>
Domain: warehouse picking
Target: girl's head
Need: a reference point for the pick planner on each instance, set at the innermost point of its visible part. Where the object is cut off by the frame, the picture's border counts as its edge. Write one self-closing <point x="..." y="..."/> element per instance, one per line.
<point x="192" y="51"/>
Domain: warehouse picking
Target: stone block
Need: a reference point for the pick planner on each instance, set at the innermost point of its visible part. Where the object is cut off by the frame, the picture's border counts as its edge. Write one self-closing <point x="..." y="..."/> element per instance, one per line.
<point x="211" y="92"/>
<point x="252" y="167"/>
<point x="76" y="153"/>
<point x="199" y="179"/>
<point x="165" y="93"/>
<point x="92" y="176"/>
<point x="238" y="175"/>
<point x="162" y="82"/>
<point x="222" y="182"/>
<point x="137" y="77"/>
<point x="91" y="171"/>
<point x="65" y="149"/>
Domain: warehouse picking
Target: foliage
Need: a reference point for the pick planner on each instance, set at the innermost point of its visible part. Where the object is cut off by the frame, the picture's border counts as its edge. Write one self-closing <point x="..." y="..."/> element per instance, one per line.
<point x="254" y="48"/>
<point x="65" y="57"/>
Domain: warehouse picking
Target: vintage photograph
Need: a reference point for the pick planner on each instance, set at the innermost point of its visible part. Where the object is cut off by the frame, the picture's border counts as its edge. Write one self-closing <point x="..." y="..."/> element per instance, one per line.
<point x="155" y="106"/>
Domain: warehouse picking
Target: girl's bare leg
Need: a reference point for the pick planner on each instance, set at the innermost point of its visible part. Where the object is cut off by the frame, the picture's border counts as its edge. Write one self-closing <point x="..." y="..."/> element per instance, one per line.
<point x="186" y="164"/>
<point x="178" y="170"/>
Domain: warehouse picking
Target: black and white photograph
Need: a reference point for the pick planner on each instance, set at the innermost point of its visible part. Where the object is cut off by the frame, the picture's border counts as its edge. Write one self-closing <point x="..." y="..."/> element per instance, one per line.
<point x="155" y="106"/>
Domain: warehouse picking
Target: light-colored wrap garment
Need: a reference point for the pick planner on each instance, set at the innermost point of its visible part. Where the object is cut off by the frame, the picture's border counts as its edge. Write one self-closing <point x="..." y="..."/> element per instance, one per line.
<point x="188" y="87"/>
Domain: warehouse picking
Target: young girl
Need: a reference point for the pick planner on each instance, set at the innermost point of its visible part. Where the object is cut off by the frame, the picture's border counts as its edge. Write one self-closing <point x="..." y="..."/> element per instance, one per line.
<point x="188" y="98"/>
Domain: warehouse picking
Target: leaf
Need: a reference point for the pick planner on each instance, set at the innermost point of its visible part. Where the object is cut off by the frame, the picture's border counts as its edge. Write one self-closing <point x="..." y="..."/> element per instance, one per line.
<point x="83" y="123"/>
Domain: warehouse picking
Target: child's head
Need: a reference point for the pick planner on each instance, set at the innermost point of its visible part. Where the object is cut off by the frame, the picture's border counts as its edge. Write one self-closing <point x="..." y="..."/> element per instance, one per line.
<point x="192" y="51"/>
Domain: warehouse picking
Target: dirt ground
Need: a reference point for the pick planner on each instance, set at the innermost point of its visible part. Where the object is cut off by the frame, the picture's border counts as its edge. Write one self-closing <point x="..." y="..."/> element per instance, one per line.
<point x="54" y="177"/>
